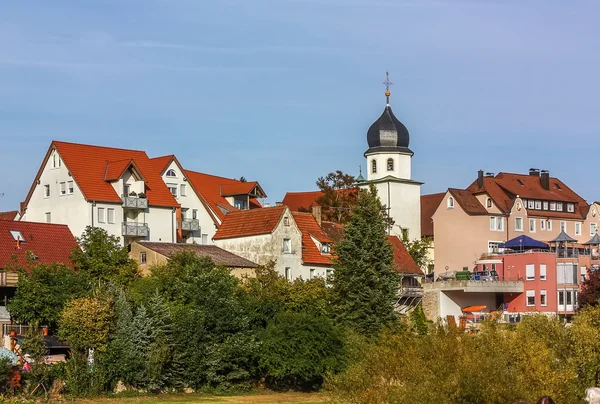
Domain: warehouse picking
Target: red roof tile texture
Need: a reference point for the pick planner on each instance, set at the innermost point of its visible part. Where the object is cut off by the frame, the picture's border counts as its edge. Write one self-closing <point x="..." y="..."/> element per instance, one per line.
<point x="403" y="262"/>
<point x="115" y="169"/>
<point x="301" y="200"/>
<point x="252" y="222"/>
<point x="209" y="188"/>
<point x="50" y="243"/>
<point x="161" y="163"/>
<point x="429" y="204"/>
<point x="308" y="225"/>
<point x="468" y="202"/>
<point x="216" y="254"/>
<point x="88" y="167"/>
<point x="239" y="188"/>
<point x="9" y="215"/>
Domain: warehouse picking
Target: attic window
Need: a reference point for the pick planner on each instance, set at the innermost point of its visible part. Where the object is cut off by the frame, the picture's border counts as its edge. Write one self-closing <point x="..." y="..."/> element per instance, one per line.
<point x="520" y="182"/>
<point x="17" y="235"/>
<point x="570" y="207"/>
<point x="171" y="173"/>
<point x="450" y="202"/>
<point x="488" y="202"/>
<point x="326" y="248"/>
<point x="286" y="221"/>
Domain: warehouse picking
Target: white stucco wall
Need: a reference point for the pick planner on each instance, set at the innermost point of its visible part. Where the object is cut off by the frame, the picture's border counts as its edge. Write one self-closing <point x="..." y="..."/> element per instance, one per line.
<point x="192" y="202"/>
<point x="266" y="247"/>
<point x="402" y="165"/>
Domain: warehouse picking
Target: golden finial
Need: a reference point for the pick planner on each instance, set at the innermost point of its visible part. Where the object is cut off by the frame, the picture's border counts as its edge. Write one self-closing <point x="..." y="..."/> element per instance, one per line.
<point x="387" y="83"/>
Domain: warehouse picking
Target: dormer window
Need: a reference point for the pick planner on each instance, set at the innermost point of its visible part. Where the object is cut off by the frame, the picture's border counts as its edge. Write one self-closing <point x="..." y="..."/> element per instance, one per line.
<point x="488" y="203"/>
<point x="325" y="248"/>
<point x="374" y="166"/>
<point x="450" y="202"/>
<point x="171" y="173"/>
<point x="559" y="206"/>
<point x="538" y="205"/>
<point x="390" y="165"/>
<point x="552" y="205"/>
<point x="530" y="204"/>
<point x="570" y="207"/>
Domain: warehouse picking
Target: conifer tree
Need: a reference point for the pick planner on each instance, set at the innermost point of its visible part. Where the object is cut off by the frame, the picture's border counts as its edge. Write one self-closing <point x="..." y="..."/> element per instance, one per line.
<point x="364" y="286"/>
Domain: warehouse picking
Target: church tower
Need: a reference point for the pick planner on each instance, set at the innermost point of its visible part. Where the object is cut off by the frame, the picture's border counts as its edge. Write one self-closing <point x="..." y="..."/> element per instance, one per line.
<point x="389" y="169"/>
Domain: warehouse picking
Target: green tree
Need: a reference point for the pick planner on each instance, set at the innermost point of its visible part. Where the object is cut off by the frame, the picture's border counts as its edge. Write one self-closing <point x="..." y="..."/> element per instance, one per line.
<point x="418" y="321"/>
<point x="590" y="290"/>
<point x="86" y="323"/>
<point x="299" y="349"/>
<point x="364" y="286"/>
<point x="43" y="291"/>
<point x="418" y="249"/>
<point x="339" y="196"/>
<point x="103" y="258"/>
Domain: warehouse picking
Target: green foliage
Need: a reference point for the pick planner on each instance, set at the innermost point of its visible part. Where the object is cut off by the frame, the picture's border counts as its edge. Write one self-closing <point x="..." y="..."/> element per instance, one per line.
<point x="586" y="346"/>
<point x="590" y="290"/>
<point x="35" y="347"/>
<point x="339" y="196"/>
<point x="299" y="349"/>
<point x="86" y="323"/>
<point x="82" y="378"/>
<point x="418" y="249"/>
<point x="42" y="292"/>
<point x="364" y="285"/>
<point x="101" y="257"/>
<point x="418" y="322"/>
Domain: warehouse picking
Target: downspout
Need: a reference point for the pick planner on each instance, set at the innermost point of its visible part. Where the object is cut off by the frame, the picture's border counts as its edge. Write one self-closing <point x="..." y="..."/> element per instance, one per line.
<point x="93" y="204"/>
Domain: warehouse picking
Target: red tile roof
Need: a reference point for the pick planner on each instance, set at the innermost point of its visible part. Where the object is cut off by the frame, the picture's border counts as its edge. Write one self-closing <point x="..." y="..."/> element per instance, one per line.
<point x="252" y="222"/>
<point x="504" y="187"/>
<point x="429" y="204"/>
<point x="301" y="200"/>
<point x="468" y="201"/>
<point x="209" y="187"/>
<point x="115" y="169"/>
<point x="334" y="231"/>
<point x="161" y="163"/>
<point x="239" y="188"/>
<point x="216" y="254"/>
<point x="50" y="243"/>
<point x="9" y="215"/>
<point x="309" y="227"/>
<point x="88" y="167"/>
<point x="403" y="262"/>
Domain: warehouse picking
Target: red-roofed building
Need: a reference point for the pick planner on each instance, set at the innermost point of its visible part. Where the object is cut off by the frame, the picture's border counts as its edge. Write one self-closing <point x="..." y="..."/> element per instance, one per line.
<point x="11" y="215"/>
<point x="119" y="190"/>
<point x="470" y="223"/>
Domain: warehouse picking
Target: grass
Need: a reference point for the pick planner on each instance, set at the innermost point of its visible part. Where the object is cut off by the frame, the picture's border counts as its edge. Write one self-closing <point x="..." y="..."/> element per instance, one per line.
<point x="255" y="398"/>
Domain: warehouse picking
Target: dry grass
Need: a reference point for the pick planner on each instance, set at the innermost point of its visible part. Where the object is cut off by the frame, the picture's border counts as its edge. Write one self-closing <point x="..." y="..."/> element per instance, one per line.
<point x="257" y="398"/>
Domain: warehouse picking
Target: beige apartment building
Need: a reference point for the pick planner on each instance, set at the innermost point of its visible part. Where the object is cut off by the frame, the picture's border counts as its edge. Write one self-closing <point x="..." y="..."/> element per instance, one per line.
<point x="468" y="224"/>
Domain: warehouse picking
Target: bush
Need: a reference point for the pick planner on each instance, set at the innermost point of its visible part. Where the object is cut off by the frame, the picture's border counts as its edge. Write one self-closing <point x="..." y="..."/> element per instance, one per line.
<point x="299" y="349"/>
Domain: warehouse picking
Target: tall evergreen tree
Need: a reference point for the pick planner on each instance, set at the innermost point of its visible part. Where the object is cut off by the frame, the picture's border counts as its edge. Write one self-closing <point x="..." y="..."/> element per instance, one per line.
<point x="364" y="284"/>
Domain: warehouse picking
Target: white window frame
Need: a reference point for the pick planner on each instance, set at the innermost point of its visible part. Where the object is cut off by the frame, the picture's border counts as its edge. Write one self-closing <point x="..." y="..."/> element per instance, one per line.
<point x="552" y="205"/>
<point x="559" y="206"/>
<point x="46" y="190"/>
<point x="578" y="228"/>
<point x="528" y="294"/>
<point x="450" y="202"/>
<point x="288" y="273"/>
<point x="488" y="203"/>
<point x="543" y="275"/>
<point x="549" y="225"/>
<point x="543" y="298"/>
<point x="532" y="225"/>
<point x="518" y="220"/>
<point x="172" y="187"/>
<point x="374" y="166"/>
<point x="194" y="213"/>
<point x="493" y="223"/>
<point x="63" y="188"/>
<point x="530" y="272"/>
<point x="70" y="187"/>
<point x="171" y="173"/>
<point x="286" y="248"/>
<point x="17" y="235"/>
<point x="563" y="226"/>
<point x="110" y="215"/>
<point x="545" y="205"/>
<point x="143" y="258"/>
<point x="500" y="224"/>
<point x="570" y="207"/>
<point x="388" y="165"/>
<point x="491" y="244"/>
<point x="48" y="217"/>
<point x="593" y="228"/>
<point x="101" y="215"/>
<point x="542" y="224"/>
<point x="182" y="190"/>
<point x="538" y="205"/>
<point x="530" y="204"/>
<point x="53" y="160"/>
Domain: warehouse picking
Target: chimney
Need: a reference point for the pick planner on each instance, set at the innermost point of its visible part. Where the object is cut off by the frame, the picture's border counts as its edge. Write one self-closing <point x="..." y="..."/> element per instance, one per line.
<point x="480" y="178"/>
<point x="545" y="180"/>
<point x="534" y="172"/>
<point x="316" y="212"/>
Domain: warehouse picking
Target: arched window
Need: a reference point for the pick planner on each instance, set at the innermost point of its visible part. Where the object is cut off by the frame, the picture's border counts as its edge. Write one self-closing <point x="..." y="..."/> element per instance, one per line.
<point x="171" y="173"/>
<point x="488" y="202"/>
<point x="373" y="166"/>
<point x="450" y="202"/>
<point x="390" y="165"/>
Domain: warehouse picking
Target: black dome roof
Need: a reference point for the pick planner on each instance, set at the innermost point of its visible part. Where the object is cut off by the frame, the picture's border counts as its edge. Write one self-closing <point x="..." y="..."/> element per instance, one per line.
<point x="388" y="134"/>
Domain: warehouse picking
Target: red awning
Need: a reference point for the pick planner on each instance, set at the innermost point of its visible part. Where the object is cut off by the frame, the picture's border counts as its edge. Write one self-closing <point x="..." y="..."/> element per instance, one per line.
<point x="473" y="309"/>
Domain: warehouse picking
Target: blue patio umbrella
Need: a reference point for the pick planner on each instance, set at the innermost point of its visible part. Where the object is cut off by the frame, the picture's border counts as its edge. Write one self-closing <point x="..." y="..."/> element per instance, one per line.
<point x="523" y="242"/>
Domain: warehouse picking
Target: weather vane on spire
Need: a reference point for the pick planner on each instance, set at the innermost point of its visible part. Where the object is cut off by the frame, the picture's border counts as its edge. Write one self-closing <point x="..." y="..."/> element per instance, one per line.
<point x="387" y="83"/>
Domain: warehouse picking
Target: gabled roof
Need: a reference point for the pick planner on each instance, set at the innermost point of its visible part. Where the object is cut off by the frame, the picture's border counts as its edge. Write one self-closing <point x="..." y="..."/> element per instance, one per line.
<point x="50" y="243"/>
<point x="310" y="229"/>
<point x="88" y="166"/>
<point x="429" y="204"/>
<point x="403" y="262"/>
<point x="252" y="222"/>
<point x="218" y="255"/>
<point x="161" y="163"/>
<point x="209" y="187"/>
<point x="468" y="202"/>
<point x="301" y="200"/>
<point x="11" y="215"/>
<point x="504" y="187"/>
<point x="116" y="169"/>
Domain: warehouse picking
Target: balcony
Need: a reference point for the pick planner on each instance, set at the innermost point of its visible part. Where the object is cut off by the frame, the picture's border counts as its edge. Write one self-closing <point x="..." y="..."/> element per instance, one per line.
<point x="134" y="202"/>
<point x="473" y="286"/>
<point x="131" y="229"/>
<point x="411" y="291"/>
<point x="190" y="225"/>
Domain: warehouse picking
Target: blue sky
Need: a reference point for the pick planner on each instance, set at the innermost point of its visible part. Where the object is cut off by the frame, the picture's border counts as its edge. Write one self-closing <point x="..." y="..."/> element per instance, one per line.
<point x="283" y="91"/>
